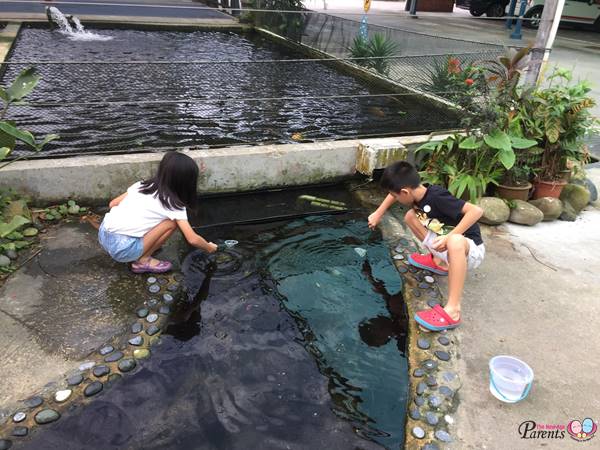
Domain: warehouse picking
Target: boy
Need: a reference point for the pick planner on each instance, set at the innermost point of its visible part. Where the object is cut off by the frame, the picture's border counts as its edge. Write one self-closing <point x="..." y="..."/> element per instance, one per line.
<point x="451" y="253"/>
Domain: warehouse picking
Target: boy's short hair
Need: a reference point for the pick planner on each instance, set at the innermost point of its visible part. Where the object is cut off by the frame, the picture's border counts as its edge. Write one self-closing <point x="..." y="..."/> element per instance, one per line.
<point x="400" y="175"/>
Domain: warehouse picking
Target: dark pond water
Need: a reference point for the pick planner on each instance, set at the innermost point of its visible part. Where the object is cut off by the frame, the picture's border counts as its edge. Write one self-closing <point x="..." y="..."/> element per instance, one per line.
<point x="293" y="340"/>
<point x="187" y="103"/>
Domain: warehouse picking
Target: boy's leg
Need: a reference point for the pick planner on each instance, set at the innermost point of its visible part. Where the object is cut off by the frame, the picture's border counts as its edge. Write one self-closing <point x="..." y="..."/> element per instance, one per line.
<point x="417" y="228"/>
<point x="458" y="252"/>
<point x="155" y="238"/>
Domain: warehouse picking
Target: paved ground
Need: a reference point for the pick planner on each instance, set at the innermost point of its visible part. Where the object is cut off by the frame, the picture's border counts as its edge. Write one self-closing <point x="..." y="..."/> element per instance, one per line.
<point x="59" y="308"/>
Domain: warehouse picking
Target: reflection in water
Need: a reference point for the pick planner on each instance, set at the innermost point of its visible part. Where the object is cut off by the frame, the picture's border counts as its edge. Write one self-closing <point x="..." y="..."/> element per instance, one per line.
<point x="267" y="355"/>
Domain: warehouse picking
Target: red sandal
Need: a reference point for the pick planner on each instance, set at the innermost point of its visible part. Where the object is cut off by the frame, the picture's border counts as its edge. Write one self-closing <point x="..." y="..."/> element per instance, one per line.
<point x="426" y="262"/>
<point x="436" y="319"/>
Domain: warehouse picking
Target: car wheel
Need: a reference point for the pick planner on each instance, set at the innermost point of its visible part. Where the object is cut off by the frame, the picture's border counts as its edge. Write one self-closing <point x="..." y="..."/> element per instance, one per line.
<point x="475" y="11"/>
<point x="496" y="10"/>
<point x="534" y="16"/>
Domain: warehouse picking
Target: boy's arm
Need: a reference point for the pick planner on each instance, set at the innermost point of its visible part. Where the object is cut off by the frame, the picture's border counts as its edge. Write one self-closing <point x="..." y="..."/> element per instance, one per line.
<point x="195" y="239"/>
<point x="115" y="201"/>
<point x="471" y="214"/>
<point x="375" y="218"/>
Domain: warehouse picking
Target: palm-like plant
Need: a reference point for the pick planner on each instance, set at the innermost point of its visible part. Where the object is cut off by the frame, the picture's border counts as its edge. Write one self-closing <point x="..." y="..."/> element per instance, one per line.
<point x="374" y="53"/>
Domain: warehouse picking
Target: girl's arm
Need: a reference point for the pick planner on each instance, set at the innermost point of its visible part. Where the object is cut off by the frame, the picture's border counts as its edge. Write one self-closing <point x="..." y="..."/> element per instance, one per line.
<point x="375" y="218"/>
<point x="195" y="239"/>
<point x="115" y="201"/>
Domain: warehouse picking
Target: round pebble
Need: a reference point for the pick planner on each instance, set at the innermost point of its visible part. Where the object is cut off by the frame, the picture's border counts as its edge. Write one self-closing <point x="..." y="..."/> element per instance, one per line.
<point x="5" y="444"/>
<point x="114" y="357"/>
<point x="113" y="377"/>
<point x="178" y="277"/>
<point x="435" y="401"/>
<point x="153" y="303"/>
<point x="12" y="254"/>
<point x="151" y="280"/>
<point x="431" y="381"/>
<point x="154" y="288"/>
<point x="142" y="312"/>
<point x="399" y="249"/>
<point x="137" y="341"/>
<point x="432" y="302"/>
<point x="444" y="356"/>
<point x="93" y="388"/>
<point x="4" y="261"/>
<point x="164" y="309"/>
<point x="418" y="432"/>
<point x="152" y="318"/>
<point x="162" y="281"/>
<point x="74" y="380"/>
<point x="402" y="269"/>
<point x="429" y="365"/>
<point x="431" y="446"/>
<point x="34" y="402"/>
<point x="172" y="288"/>
<point x="441" y="435"/>
<point x="136" y="328"/>
<point x="63" y="395"/>
<point x="399" y="257"/>
<point x="101" y="371"/>
<point x="416" y="292"/>
<point x="449" y="376"/>
<point x="141" y="353"/>
<point x="449" y="420"/>
<point x="127" y="365"/>
<point x="168" y="298"/>
<point x="414" y="413"/>
<point x="424" y="286"/>
<point x="418" y="372"/>
<point x="423" y="343"/>
<point x="419" y="400"/>
<point x="429" y="279"/>
<point x="106" y="350"/>
<point x="46" y="416"/>
<point x="421" y="388"/>
<point x="431" y="418"/>
<point x="19" y="417"/>
<point x="87" y="365"/>
<point x="20" y="431"/>
<point x="445" y="390"/>
<point x="152" y="330"/>
<point x="444" y="340"/>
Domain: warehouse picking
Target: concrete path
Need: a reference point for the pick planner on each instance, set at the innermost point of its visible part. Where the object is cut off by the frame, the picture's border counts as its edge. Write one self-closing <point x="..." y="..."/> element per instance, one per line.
<point x="60" y="307"/>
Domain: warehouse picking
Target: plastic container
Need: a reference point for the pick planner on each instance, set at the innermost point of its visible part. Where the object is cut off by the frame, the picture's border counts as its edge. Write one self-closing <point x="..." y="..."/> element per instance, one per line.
<point x="510" y="378"/>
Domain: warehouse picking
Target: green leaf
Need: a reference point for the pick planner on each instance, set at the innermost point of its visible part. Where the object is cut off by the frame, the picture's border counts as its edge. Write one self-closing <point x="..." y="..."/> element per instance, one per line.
<point x="3" y="95"/>
<point x="16" y="223"/>
<point x="14" y="236"/>
<point x="48" y="138"/>
<point x="470" y="143"/>
<point x="23" y="85"/>
<point x="4" y="152"/>
<point x="21" y="135"/>
<point x="498" y="139"/>
<point x="22" y="244"/>
<point x="71" y="203"/>
<point x="431" y="145"/>
<point x="522" y="143"/>
<point x="507" y="158"/>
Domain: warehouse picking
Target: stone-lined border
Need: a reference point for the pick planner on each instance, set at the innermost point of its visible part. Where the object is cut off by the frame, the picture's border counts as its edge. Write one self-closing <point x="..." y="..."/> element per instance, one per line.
<point x="433" y="376"/>
<point x="108" y="364"/>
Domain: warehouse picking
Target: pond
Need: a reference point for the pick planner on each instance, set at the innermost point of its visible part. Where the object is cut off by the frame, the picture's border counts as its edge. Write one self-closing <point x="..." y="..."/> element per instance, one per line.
<point x="155" y="90"/>
<point x="295" y="338"/>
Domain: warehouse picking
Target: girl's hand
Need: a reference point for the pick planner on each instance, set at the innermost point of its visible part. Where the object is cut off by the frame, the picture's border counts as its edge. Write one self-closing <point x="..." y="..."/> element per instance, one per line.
<point x="374" y="220"/>
<point x="439" y="243"/>
<point x="211" y="247"/>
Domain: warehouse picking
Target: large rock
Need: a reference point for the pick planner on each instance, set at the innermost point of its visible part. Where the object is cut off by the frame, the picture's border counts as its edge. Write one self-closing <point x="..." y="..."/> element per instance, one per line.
<point x="551" y="207"/>
<point x="590" y="186"/>
<point x="574" y="198"/>
<point x="495" y="211"/>
<point x="525" y="213"/>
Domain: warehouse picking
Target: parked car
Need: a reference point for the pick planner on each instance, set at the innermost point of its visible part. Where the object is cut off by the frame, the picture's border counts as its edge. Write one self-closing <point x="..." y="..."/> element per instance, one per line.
<point x="491" y="8"/>
<point x="586" y="12"/>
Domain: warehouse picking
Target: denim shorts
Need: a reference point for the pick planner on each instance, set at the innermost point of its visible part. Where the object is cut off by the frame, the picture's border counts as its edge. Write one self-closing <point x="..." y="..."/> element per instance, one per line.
<point x="120" y="247"/>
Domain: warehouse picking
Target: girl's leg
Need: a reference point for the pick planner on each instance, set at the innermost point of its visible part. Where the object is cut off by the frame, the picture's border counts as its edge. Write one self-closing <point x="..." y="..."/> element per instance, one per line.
<point x="155" y="238"/>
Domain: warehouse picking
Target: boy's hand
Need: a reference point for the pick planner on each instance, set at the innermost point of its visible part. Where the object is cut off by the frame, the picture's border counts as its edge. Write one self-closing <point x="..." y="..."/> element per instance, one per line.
<point x="374" y="220"/>
<point x="439" y="243"/>
<point x="212" y="247"/>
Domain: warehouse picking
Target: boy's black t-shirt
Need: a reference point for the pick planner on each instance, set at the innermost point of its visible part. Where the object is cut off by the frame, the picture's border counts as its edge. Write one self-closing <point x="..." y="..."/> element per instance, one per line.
<point x="440" y="204"/>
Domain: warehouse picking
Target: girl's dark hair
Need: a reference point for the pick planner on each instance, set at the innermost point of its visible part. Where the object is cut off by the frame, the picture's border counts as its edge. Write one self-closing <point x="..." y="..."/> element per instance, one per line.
<point x="400" y="175"/>
<point x="175" y="183"/>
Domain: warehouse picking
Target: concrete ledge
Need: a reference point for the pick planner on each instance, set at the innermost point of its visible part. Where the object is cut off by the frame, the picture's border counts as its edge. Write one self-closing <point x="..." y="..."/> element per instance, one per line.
<point x="94" y="179"/>
<point x="91" y="18"/>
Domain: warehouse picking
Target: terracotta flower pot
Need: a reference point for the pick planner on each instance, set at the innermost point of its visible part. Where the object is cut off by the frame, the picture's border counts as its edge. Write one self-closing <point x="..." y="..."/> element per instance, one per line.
<point x="514" y="192"/>
<point x="548" y="188"/>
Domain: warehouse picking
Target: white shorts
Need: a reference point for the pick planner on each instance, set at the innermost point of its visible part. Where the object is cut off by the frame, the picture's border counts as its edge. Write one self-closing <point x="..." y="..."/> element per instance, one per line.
<point x="474" y="259"/>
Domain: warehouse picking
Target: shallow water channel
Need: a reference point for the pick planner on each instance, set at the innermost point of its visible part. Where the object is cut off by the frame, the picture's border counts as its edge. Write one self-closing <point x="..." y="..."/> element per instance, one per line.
<point x="294" y="339"/>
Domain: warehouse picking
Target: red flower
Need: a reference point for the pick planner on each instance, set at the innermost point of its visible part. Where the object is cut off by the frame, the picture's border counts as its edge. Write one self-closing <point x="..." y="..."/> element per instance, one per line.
<point x="469" y="81"/>
<point x="453" y="65"/>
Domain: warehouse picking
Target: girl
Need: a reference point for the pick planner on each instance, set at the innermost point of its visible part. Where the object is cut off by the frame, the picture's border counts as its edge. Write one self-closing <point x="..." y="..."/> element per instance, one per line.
<point x="144" y="217"/>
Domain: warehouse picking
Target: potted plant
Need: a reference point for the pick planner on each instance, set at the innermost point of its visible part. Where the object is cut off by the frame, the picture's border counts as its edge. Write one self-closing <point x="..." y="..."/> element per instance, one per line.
<point x="562" y="113"/>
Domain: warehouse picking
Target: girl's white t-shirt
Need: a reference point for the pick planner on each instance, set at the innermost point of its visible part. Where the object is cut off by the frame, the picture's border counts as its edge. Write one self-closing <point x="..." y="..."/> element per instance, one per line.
<point x="138" y="213"/>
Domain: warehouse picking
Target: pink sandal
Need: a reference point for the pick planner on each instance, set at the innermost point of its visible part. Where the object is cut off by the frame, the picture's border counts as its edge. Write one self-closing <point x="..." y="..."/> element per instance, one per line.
<point x="436" y="319"/>
<point x="161" y="267"/>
